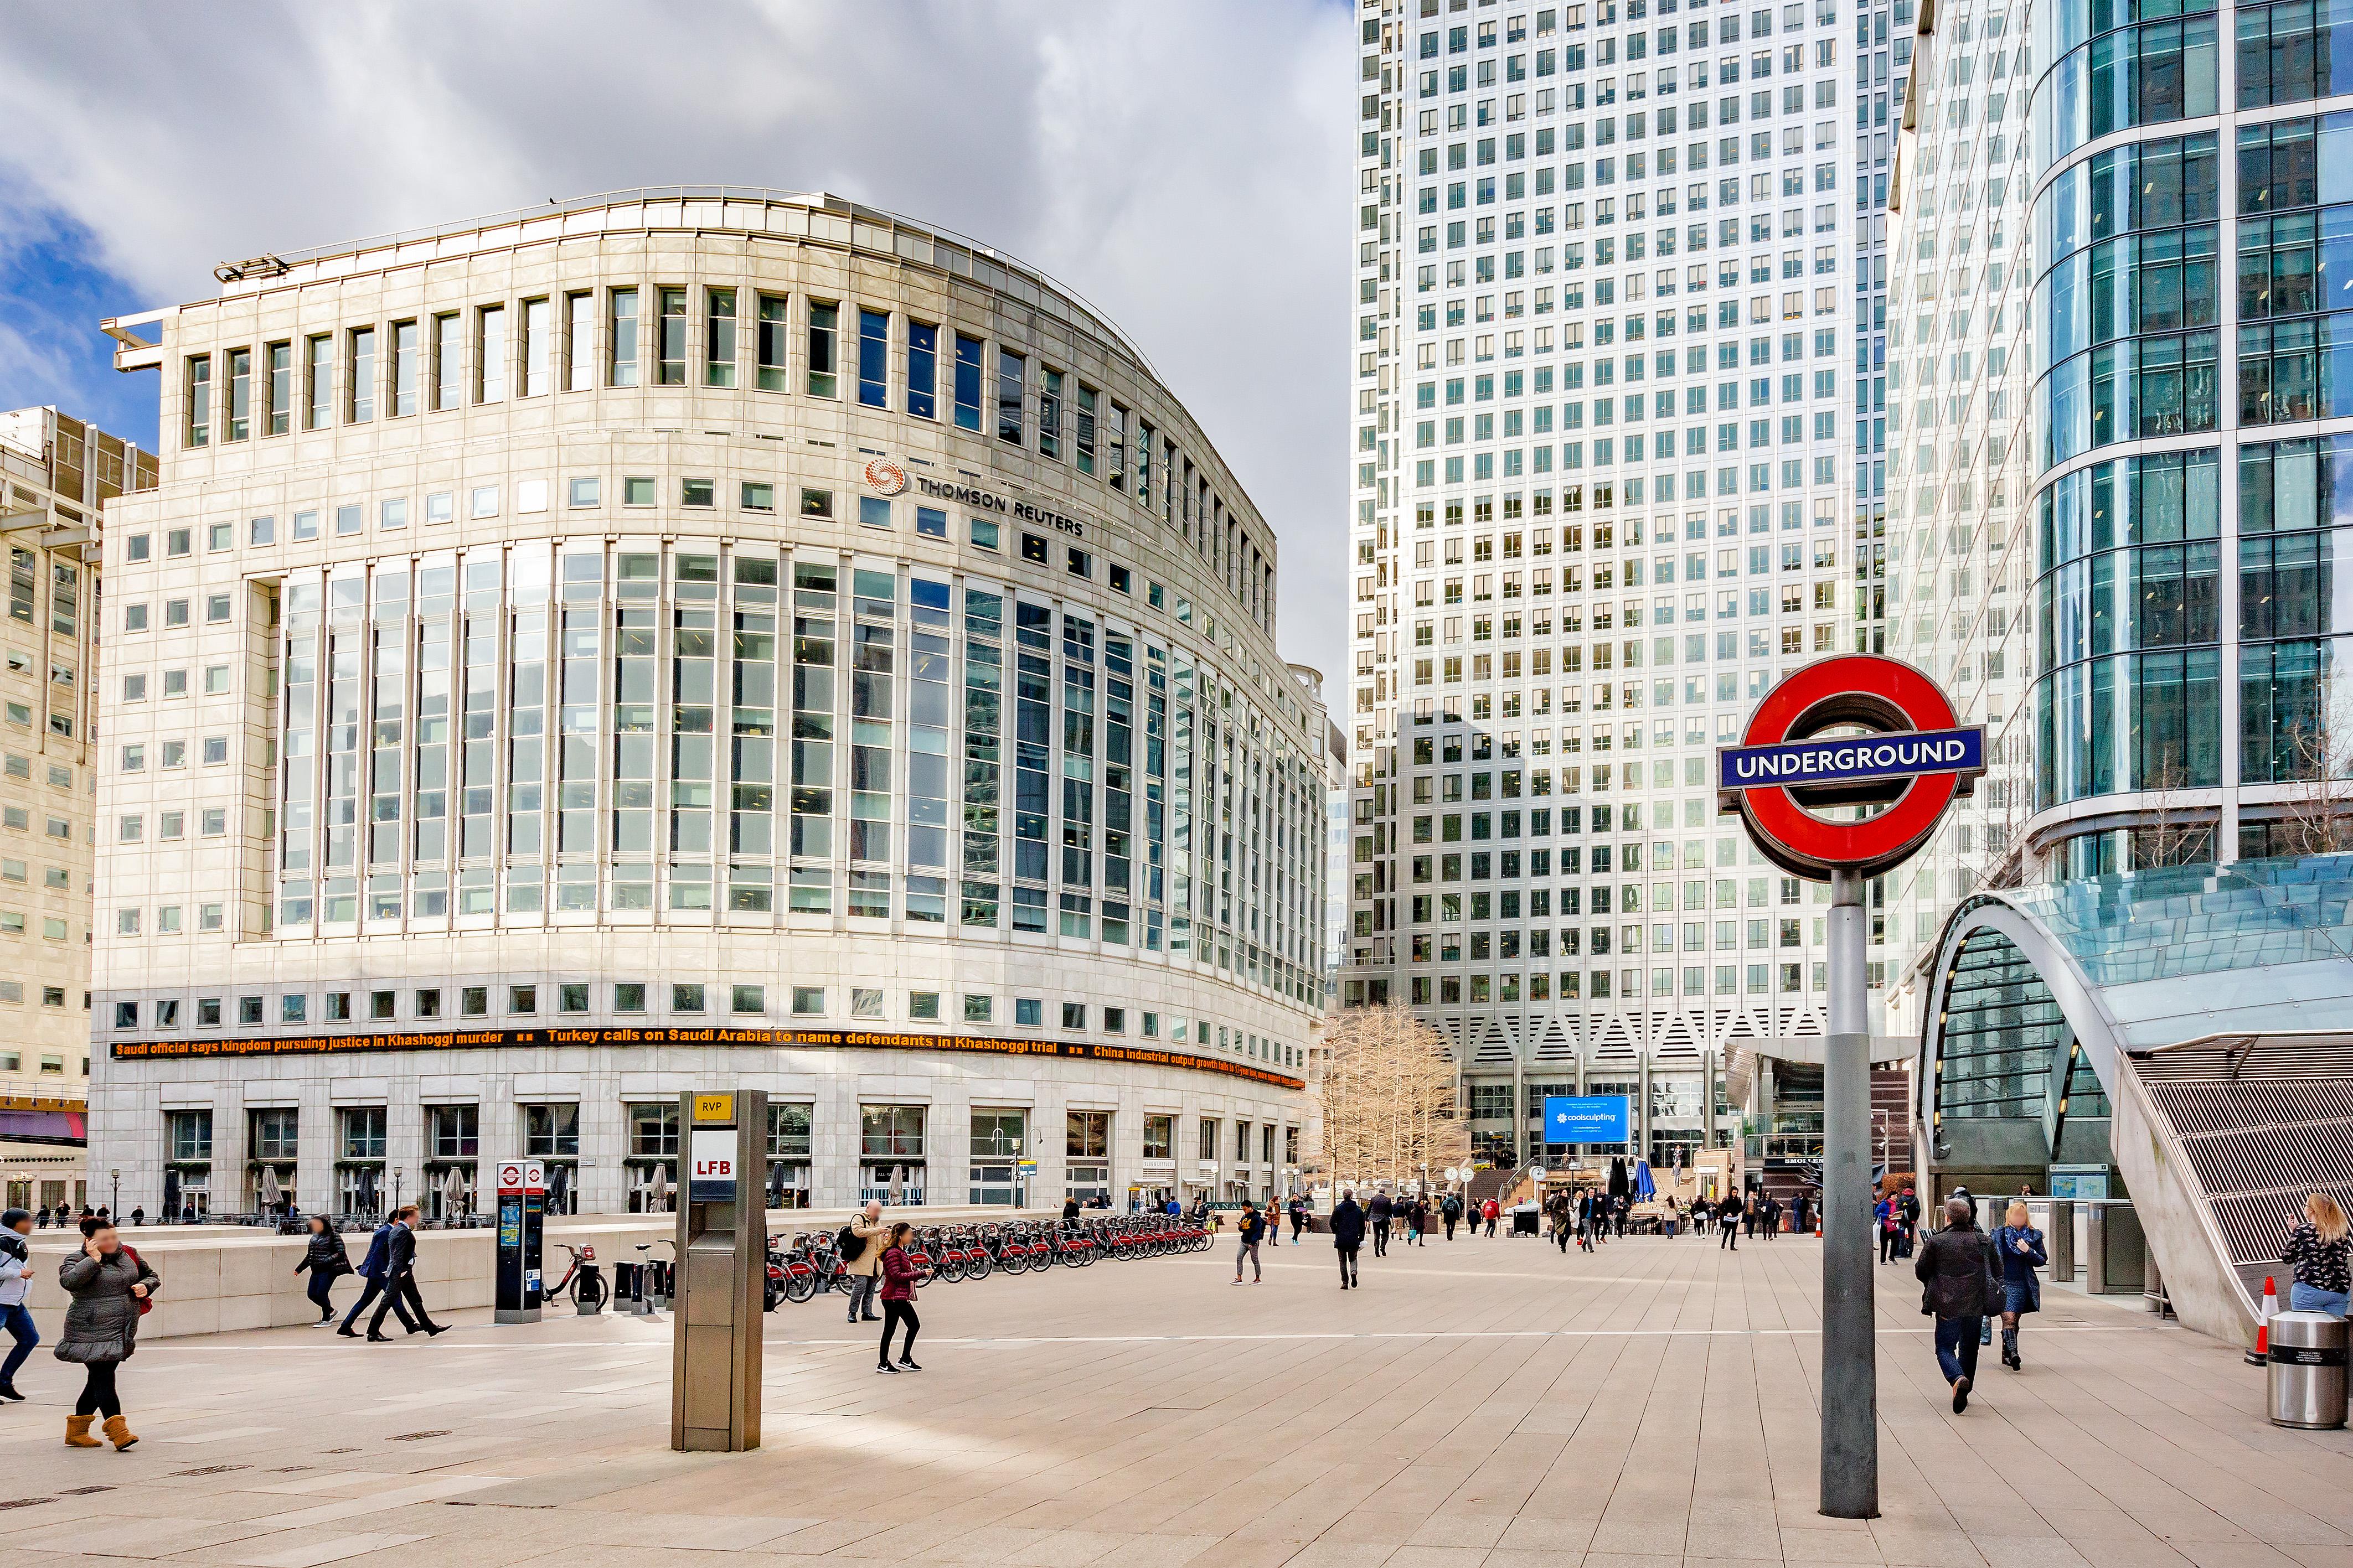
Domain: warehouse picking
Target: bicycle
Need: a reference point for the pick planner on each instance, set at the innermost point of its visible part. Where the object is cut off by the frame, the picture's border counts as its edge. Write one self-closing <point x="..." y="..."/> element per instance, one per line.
<point x="583" y="1281"/>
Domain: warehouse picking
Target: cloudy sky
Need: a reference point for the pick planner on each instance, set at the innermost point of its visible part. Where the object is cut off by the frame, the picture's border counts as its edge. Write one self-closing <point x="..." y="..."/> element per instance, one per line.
<point x="1185" y="164"/>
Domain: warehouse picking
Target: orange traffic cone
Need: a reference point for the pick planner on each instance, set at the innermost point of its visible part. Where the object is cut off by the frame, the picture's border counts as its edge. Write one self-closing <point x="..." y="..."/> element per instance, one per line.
<point x="2261" y="1354"/>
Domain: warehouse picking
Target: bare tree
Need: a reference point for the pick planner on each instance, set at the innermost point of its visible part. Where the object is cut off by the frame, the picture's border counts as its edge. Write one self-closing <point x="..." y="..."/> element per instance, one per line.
<point x="2318" y="818"/>
<point x="2177" y="833"/>
<point x="1390" y="1111"/>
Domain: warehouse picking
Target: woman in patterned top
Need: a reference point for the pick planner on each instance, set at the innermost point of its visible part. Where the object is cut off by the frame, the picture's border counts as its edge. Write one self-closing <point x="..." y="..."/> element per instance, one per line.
<point x="2317" y="1249"/>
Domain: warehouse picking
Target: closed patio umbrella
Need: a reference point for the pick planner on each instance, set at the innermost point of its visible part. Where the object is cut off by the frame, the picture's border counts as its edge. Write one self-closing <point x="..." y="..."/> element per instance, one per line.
<point x="1644" y="1188"/>
<point x="453" y="1193"/>
<point x="897" y="1183"/>
<point x="368" y="1198"/>
<point x="267" y="1191"/>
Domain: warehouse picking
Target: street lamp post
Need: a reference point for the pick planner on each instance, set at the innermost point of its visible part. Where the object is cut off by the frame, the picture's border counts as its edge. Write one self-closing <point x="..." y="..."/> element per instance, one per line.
<point x="115" y="1211"/>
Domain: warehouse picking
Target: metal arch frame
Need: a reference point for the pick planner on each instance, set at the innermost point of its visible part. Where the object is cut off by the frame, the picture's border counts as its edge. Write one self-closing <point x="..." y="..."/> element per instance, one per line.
<point x="2079" y="1002"/>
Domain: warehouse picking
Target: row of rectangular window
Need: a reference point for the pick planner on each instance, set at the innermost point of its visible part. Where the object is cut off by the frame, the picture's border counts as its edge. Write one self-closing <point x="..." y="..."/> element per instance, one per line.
<point x="213" y="750"/>
<point x="438" y="370"/>
<point x="552" y="1130"/>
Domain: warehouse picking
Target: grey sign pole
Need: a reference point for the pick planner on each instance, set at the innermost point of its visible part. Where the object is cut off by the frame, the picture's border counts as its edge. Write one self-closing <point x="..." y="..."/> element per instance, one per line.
<point x="1850" y="1358"/>
<point x="722" y="1271"/>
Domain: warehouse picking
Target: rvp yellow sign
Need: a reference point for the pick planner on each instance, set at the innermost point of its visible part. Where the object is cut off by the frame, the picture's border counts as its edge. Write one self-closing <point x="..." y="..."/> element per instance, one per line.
<point x="714" y="1108"/>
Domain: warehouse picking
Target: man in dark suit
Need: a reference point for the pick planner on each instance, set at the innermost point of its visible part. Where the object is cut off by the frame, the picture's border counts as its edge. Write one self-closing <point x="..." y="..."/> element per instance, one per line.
<point x="400" y="1280"/>
<point x="372" y="1270"/>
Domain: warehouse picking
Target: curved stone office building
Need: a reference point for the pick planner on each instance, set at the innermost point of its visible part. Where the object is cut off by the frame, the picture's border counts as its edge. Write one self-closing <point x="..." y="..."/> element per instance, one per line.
<point x="679" y="639"/>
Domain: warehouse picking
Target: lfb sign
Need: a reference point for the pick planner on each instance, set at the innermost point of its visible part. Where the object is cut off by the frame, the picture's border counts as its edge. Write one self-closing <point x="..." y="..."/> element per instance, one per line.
<point x="1911" y="759"/>
<point x="711" y="1176"/>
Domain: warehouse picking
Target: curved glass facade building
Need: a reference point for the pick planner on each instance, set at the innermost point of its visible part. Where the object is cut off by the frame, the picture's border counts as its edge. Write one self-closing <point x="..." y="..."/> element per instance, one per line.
<point x="684" y="639"/>
<point x="2183" y="226"/>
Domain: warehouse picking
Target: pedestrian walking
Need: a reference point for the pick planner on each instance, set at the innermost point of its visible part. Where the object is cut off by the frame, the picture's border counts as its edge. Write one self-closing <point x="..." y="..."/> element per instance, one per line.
<point x="326" y="1261"/>
<point x="1963" y="1285"/>
<point x="860" y="1245"/>
<point x="1251" y="1231"/>
<point x="1420" y="1216"/>
<point x="1379" y="1211"/>
<point x="112" y="1288"/>
<point x="1347" y="1235"/>
<point x="1703" y="1216"/>
<point x="900" y="1278"/>
<point x="1587" y="1220"/>
<point x="2020" y="1247"/>
<point x="1882" y="1216"/>
<point x="15" y="1283"/>
<point x="2317" y="1250"/>
<point x="1907" y="1217"/>
<point x="1488" y="1212"/>
<point x="372" y="1270"/>
<point x="1450" y="1210"/>
<point x="400" y="1281"/>
<point x="1298" y="1217"/>
<point x="1728" y="1216"/>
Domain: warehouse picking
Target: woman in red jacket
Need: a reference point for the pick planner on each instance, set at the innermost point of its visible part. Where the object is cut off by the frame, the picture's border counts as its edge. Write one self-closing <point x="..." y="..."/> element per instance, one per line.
<point x="900" y="1278"/>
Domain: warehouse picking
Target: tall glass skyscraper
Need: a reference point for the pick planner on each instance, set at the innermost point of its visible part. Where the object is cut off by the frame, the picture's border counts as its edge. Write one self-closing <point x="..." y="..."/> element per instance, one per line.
<point x="1606" y="494"/>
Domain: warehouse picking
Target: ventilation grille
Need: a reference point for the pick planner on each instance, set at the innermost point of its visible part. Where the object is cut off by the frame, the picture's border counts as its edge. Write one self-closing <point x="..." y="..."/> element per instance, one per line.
<point x="2258" y="1136"/>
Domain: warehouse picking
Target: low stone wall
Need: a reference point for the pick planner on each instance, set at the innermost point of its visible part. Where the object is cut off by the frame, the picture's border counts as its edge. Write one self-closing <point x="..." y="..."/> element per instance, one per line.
<point x="219" y="1278"/>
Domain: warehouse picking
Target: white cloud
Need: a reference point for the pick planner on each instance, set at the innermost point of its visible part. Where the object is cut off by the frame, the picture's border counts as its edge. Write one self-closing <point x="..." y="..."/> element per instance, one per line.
<point x="1186" y="166"/>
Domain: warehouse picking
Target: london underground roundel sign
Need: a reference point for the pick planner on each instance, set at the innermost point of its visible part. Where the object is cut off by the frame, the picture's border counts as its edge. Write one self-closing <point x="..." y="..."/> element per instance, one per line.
<point x="1912" y="757"/>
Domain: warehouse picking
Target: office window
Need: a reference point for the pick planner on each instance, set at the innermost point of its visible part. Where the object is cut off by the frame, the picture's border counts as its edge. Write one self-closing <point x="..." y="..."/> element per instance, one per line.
<point x="491" y="353"/>
<point x="405" y="345"/>
<point x="669" y="341"/>
<point x="280" y="390"/>
<point x="1049" y="412"/>
<point x="200" y="400"/>
<point x="1011" y="371"/>
<point x="823" y="331"/>
<point x="624" y="350"/>
<point x="448" y="361"/>
<point x="579" y="342"/>
<point x="967" y="382"/>
<point x="240" y="394"/>
<point x="874" y="358"/>
<point x="321" y="368"/>
<point x="923" y="370"/>
<point x="774" y="333"/>
<point x="719" y="337"/>
<point x="538" y="347"/>
<point x="360" y="409"/>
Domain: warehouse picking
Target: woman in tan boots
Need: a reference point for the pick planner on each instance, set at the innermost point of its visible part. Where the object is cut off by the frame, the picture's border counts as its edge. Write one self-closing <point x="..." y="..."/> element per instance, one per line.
<point x="111" y="1286"/>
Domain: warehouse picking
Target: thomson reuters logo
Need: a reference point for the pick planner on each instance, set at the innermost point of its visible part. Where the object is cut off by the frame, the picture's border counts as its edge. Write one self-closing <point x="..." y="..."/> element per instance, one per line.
<point x="886" y="476"/>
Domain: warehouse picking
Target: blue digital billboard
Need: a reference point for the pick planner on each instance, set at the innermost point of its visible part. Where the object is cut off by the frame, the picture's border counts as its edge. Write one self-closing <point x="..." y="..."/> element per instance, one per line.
<point x="1587" y="1119"/>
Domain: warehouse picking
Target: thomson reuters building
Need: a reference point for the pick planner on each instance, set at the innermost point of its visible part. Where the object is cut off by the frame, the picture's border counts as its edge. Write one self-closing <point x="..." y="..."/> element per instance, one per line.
<point x="685" y="639"/>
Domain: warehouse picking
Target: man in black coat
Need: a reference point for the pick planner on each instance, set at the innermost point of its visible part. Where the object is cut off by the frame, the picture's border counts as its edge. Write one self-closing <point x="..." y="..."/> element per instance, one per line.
<point x="1377" y="1213"/>
<point x="1964" y="1283"/>
<point x="1347" y="1235"/>
<point x="373" y="1269"/>
<point x="400" y="1280"/>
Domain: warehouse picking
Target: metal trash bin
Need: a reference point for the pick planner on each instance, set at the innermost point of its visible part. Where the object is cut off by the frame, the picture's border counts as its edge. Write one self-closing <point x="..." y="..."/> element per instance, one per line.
<point x="2306" y="1379"/>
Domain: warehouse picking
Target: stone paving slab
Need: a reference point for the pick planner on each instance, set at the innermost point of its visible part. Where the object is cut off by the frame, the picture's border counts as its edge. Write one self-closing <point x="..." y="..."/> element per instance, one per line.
<point x="1487" y="1404"/>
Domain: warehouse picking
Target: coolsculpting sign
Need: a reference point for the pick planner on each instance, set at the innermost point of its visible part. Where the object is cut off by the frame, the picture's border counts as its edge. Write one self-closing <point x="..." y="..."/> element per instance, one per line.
<point x="1587" y="1119"/>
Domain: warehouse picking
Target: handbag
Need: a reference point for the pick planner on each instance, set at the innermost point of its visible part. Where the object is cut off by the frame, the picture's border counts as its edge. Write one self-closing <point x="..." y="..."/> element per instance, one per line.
<point x="139" y="1264"/>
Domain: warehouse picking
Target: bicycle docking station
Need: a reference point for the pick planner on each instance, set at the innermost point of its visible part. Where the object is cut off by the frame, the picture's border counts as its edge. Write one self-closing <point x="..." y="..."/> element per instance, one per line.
<point x="523" y="1199"/>
<point x="720" y="1274"/>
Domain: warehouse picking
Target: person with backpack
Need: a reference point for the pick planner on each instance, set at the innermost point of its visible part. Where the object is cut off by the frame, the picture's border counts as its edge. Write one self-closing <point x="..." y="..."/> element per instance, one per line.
<point x="860" y="1244"/>
<point x="1253" y="1231"/>
<point x="1450" y="1211"/>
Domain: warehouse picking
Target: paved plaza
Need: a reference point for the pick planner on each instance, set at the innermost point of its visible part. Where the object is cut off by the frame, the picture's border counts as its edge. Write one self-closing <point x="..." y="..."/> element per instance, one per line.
<point x="1484" y="1405"/>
